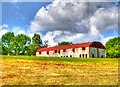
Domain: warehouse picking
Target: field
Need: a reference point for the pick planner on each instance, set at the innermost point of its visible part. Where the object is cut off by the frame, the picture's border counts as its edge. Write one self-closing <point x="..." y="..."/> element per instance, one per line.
<point x="29" y="70"/>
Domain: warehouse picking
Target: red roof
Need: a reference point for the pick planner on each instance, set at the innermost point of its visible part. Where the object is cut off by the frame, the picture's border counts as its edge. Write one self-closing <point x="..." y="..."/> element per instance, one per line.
<point x="87" y="44"/>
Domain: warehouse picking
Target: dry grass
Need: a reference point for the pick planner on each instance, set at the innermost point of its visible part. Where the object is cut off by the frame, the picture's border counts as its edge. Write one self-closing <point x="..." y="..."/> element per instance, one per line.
<point x="34" y="72"/>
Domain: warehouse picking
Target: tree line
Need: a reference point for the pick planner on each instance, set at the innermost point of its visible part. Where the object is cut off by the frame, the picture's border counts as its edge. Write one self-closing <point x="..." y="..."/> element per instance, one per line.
<point x="21" y="44"/>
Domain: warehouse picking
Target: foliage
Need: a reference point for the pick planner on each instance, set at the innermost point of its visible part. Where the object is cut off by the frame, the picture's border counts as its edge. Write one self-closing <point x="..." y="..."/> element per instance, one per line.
<point x="7" y="38"/>
<point x="113" y="47"/>
<point x="36" y="39"/>
<point x="64" y="43"/>
<point x="6" y="41"/>
<point x="31" y="49"/>
<point x="4" y="49"/>
<point x="0" y="47"/>
<point x="19" y="43"/>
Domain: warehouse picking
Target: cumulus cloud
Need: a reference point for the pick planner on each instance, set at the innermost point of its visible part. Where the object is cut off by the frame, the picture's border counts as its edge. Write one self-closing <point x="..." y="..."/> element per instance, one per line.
<point x="104" y="40"/>
<point x="57" y="36"/>
<point x="31" y="34"/>
<point x="69" y="16"/>
<point x="75" y="21"/>
<point x="18" y="30"/>
<point x="21" y="32"/>
<point x="3" y="29"/>
<point x="3" y="26"/>
<point x="105" y="19"/>
<point x="15" y="28"/>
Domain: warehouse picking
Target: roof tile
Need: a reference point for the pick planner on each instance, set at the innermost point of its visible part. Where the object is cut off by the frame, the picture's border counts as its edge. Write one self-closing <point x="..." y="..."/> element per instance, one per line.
<point x="87" y="44"/>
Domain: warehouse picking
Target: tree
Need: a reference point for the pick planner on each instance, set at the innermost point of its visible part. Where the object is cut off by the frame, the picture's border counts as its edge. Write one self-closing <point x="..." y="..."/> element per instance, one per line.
<point x="0" y="47"/>
<point x="6" y="41"/>
<point x="36" y="39"/>
<point x="19" y="43"/>
<point x="64" y="43"/>
<point x="113" y="48"/>
<point x="3" y="49"/>
<point x="36" y="42"/>
<point x="7" y="38"/>
<point x="31" y="49"/>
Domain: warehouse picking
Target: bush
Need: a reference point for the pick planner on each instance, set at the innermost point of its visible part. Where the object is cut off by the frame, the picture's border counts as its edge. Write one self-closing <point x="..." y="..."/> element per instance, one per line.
<point x="113" y="48"/>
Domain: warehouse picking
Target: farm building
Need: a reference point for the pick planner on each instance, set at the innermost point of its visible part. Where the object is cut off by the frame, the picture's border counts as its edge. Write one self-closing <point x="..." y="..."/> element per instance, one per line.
<point x="83" y="50"/>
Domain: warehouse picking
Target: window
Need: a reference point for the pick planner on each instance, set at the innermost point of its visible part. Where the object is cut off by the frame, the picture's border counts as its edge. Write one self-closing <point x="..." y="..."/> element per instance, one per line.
<point x="97" y="43"/>
<point x="100" y="46"/>
<point x="59" y="51"/>
<point x="55" y="51"/>
<point x="73" y="50"/>
<point x="39" y="52"/>
<point x="66" y="56"/>
<point x="83" y="48"/>
<point x="86" y="55"/>
<point x="102" y="56"/>
<point x="64" y="50"/>
<point x="47" y="52"/>
<point x="83" y="55"/>
<point x="92" y="44"/>
<point x="70" y="55"/>
<point x="80" y="55"/>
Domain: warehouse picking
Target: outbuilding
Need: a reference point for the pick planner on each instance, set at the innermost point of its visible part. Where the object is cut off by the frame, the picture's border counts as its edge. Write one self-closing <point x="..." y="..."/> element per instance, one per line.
<point x="82" y="50"/>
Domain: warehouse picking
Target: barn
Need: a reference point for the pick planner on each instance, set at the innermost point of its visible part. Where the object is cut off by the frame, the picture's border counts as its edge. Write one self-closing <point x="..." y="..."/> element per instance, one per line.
<point x="81" y="50"/>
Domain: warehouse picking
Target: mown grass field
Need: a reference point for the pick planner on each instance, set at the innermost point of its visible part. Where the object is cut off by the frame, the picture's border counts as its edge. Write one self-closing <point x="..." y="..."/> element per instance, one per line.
<point x="29" y="70"/>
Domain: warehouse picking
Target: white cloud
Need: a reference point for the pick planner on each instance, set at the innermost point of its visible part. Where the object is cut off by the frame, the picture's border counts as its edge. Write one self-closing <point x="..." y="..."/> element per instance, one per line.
<point x="105" y="19"/>
<point x="50" y="36"/>
<point x="2" y="32"/>
<point x="3" y="29"/>
<point x="74" y="21"/>
<point x="18" y="30"/>
<point x="104" y="40"/>
<point x="31" y="34"/>
<point x="21" y="32"/>
<point x="72" y="16"/>
<point x="4" y="26"/>
<point x="15" y="28"/>
<point x="57" y="36"/>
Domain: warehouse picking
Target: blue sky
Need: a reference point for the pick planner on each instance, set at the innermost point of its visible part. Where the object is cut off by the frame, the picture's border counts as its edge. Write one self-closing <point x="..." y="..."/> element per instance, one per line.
<point x="20" y="14"/>
<point x="50" y="21"/>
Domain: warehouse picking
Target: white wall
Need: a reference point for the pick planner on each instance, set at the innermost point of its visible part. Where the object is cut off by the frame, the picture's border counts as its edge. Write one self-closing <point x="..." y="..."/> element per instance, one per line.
<point x="100" y="52"/>
<point x="68" y="52"/>
<point x="93" y="51"/>
<point x="88" y="50"/>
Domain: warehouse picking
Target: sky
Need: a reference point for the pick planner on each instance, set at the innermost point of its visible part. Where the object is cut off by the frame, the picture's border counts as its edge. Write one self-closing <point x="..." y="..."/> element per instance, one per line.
<point x="59" y="21"/>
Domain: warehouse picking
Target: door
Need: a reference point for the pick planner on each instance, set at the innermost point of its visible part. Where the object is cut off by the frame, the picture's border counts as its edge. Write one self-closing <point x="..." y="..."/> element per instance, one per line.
<point x="83" y="55"/>
<point x="80" y="55"/>
<point x="102" y="56"/>
<point x="92" y="55"/>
